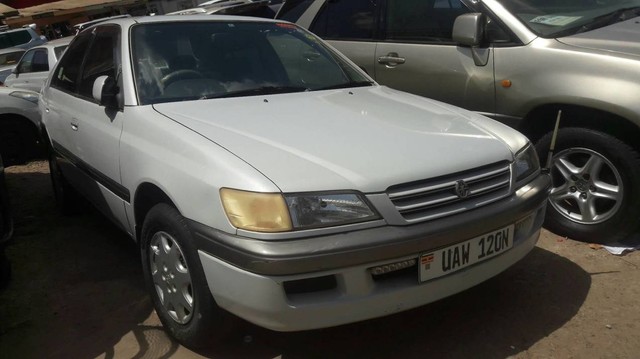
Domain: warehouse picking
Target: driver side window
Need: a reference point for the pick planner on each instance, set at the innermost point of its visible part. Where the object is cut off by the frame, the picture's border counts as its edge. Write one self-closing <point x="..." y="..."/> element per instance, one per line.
<point x="101" y="59"/>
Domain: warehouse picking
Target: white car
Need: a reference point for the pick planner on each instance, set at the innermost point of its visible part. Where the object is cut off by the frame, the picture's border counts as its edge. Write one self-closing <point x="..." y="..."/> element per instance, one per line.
<point x="33" y="68"/>
<point x="20" y="126"/>
<point x="265" y="175"/>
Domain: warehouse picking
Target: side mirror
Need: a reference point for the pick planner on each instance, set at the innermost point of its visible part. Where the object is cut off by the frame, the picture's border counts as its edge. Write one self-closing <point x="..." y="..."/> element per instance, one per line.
<point x="15" y="70"/>
<point x="468" y="29"/>
<point x="105" y="91"/>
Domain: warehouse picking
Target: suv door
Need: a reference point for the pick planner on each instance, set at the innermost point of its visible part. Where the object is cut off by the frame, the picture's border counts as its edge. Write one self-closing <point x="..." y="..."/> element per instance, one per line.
<point x="92" y="132"/>
<point x="417" y="54"/>
<point x="407" y="45"/>
<point x="32" y="71"/>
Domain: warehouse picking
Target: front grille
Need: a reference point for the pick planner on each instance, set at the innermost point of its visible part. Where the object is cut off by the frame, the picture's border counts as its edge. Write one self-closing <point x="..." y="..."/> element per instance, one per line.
<point x="436" y="197"/>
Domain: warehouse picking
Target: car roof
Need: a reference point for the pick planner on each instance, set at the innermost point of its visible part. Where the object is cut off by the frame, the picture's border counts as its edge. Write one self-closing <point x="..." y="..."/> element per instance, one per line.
<point x="127" y="22"/>
<point x="9" y="50"/>
<point x="54" y="43"/>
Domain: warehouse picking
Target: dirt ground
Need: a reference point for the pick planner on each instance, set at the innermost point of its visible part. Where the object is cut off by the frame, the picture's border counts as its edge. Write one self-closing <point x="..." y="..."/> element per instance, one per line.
<point x="77" y="292"/>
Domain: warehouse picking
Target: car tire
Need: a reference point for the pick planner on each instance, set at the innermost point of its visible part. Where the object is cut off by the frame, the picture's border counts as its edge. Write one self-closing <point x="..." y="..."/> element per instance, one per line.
<point x="596" y="186"/>
<point x="176" y="281"/>
<point x="67" y="198"/>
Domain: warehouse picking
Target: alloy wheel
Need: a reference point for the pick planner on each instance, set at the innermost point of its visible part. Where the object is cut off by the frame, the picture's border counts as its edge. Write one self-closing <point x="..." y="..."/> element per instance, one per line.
<point x="587" y="187"/>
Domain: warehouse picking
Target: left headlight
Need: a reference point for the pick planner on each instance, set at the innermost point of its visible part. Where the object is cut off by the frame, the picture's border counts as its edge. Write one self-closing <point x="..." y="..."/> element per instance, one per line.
<point x="328" y="209"/>
<point x="526" y="163"/>
<point x="25" y="95"/>
<point x="274" y="212"/>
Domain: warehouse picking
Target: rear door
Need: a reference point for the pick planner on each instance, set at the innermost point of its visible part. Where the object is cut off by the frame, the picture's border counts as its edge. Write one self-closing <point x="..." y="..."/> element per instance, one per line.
<point x="350" y="26"/>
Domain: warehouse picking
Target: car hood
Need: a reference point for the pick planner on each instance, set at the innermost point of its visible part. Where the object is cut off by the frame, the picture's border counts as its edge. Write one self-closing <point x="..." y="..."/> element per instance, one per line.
<point x="365" y="139"/>
<point x="622" y="37"/>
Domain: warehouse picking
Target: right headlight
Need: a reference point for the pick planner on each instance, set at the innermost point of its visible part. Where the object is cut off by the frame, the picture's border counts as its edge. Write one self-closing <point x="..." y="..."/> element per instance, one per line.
<point x="526" y="163"/>
<point x="274" y="212"/>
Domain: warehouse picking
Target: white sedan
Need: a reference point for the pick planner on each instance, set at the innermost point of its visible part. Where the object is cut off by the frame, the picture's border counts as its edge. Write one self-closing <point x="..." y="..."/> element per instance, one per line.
<point x="266" y="176"/>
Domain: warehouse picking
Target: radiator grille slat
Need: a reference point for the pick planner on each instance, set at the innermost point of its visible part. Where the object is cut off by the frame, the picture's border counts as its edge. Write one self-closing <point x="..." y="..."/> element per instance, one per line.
<point x="434" y="198"/>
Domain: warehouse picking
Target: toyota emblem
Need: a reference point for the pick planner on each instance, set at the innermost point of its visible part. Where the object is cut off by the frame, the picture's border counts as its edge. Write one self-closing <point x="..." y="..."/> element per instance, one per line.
<point x="462" y="189"/>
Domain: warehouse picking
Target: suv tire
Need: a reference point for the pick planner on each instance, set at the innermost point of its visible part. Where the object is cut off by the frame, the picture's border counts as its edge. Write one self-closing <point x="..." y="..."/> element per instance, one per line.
<point x="596" y="185"/>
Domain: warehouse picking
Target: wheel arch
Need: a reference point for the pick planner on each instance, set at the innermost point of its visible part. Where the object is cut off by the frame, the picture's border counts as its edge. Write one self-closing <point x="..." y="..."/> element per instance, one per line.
<point x="146" y="197"/>
<point x="30" y="134"/>
<point x="541" y="120"/>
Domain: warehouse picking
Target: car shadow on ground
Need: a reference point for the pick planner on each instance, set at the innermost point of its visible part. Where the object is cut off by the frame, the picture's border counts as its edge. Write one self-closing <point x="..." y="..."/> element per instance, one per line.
<point x="77" y="284"/>
<point x="78" y="290"/>
<point x="496" y="319"/>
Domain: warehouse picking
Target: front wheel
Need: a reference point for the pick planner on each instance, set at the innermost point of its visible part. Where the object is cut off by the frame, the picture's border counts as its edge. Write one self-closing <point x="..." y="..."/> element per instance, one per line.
<point x="176" y="281"/>
<point x="596" y="185"/>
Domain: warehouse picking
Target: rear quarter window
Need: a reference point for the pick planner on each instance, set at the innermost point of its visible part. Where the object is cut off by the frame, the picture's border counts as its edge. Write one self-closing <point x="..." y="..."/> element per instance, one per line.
<point x="291" y="10"/>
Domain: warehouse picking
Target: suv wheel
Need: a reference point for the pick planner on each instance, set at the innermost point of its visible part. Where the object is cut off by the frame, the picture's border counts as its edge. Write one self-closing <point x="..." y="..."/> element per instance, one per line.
<point x="176" y="281"/>
<point x="596" y="185"/>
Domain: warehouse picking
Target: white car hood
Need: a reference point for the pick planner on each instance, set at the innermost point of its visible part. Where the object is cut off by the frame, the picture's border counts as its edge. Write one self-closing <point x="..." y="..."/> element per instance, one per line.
<point x="364" y="139"/>
<point x="622" y="37"/>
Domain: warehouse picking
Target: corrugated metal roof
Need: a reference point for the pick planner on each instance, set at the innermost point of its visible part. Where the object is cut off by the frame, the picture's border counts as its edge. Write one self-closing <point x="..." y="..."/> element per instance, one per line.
<point x="4" y="9"/>
<point x="67" y="5"/>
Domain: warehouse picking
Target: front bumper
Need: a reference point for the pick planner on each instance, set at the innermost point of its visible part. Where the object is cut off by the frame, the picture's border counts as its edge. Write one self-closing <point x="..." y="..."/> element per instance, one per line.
<point x="326" y="281"/>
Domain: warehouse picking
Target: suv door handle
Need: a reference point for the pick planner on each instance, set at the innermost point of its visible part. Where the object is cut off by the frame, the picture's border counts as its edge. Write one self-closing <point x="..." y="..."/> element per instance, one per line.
<point x="392" y="59"/>
<point x="74" y="126"/>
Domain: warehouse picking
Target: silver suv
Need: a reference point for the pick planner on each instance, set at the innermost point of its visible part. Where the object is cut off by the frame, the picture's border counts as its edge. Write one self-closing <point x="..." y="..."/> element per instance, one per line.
<point x="263" y="174"/>
<point x="24" y="38"/>
<point x="522" y="63"/>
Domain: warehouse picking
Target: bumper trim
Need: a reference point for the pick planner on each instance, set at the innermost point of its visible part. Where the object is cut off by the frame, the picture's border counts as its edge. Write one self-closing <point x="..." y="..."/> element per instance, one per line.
<point x="297" y="256"/>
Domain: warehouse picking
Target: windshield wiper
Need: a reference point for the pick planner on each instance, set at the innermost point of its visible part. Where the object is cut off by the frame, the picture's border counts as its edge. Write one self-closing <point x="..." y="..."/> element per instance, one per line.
<point x="610" y="18"/>
<point x="264" y="90"/>
<point x="346" y="85"/>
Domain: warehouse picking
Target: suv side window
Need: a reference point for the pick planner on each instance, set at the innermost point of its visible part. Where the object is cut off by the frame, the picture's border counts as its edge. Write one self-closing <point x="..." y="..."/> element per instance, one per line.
<point x="346" y="20"/>
<point x="40" y="61"/>
<point x="101" y="59"/>
<point x="67" y="72"/>
<point x="25" y="63"/>
<point x="19" y="37"/>
<point x="34" y="61"/>
<point x="291" y="10"/>
<point x="422" y="20"/>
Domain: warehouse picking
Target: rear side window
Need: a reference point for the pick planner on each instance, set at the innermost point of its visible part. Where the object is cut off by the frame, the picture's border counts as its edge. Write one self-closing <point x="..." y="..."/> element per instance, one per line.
<point x="40" y="61"/>
<point x="59" y="50"/>
<point x="422" y="20"/>
<point x="346" y="19"/>
<point x="67" y="72"/>
<point x="19" y="37"/>
<point x="14" y="38"/>
<point x="291" y="10"/>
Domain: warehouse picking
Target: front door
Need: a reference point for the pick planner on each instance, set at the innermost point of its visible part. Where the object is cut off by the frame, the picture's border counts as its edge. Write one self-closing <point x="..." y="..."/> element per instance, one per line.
<point x="94" y="131"/>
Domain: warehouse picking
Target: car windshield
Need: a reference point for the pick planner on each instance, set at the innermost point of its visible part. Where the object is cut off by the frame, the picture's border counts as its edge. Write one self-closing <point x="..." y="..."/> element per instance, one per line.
<point x="557" y="18"/>
<point x="10" y="58"/>
<point x="178" y="61"/>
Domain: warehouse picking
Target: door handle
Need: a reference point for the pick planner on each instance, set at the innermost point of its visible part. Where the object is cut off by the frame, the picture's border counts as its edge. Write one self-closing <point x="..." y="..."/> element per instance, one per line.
<point x="74" y="126"/>
<point x="391" y="59"/>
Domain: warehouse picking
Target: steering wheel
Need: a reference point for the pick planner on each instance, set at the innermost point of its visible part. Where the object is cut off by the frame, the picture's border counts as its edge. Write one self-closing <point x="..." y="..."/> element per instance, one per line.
<point x="180" y="75"/>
